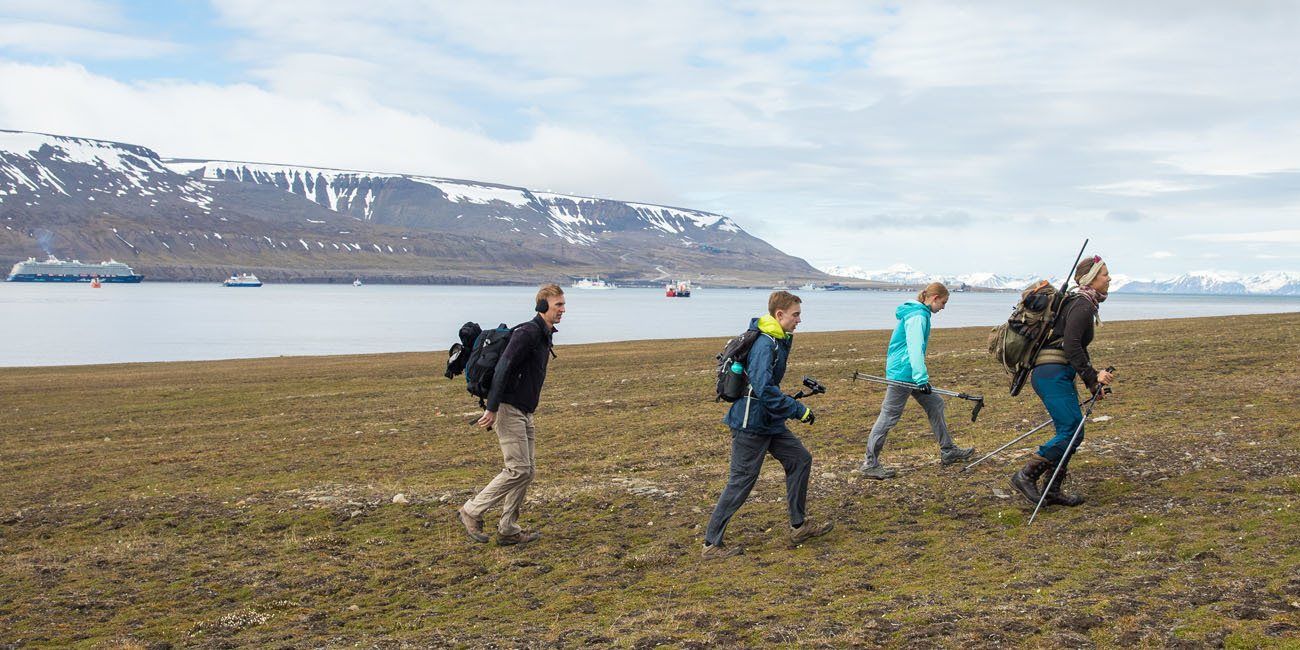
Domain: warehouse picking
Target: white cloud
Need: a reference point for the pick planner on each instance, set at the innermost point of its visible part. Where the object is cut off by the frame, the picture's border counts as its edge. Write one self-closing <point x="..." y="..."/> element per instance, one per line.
<point x="1160" y="255"/>
<point x="70" y="41"/>
<point x="243" y="122"/>
<point x="75" y="12"/>
<point x="1259" y="237"/>
<point x="1043" y="122"/>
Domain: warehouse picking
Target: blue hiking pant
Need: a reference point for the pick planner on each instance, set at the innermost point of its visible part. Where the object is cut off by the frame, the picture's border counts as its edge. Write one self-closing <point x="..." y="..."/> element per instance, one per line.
<point x="747" y="452"/>
<point x="1054" y="383"/>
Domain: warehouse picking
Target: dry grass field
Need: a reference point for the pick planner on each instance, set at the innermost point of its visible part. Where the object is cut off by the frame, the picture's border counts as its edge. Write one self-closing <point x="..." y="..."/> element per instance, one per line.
<point x="250" y="503"/>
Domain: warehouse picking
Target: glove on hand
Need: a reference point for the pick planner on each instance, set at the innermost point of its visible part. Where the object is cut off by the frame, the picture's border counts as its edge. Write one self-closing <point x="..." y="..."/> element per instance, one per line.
<point x="808" y="417"/>
<point x="925" y="388"/>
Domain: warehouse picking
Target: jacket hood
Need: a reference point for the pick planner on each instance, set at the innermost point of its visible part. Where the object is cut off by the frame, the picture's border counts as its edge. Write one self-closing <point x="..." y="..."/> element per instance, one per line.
<point x="909" y="308"/>
<point x="769" y="326"/>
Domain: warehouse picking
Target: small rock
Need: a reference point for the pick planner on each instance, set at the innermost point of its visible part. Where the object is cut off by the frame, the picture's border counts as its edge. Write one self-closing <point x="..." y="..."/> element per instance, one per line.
<point x="355" y="513"/>
<point x="1101" y="418"/>
<point x="828" y="475"/>
<point x="107" y="439"/>
<point x="353" y="608"/>
<point x="356" y="433"/>
<point x="400" y="499"/>
<point x="1000" y="494"/>
<point x="444" y="498"/>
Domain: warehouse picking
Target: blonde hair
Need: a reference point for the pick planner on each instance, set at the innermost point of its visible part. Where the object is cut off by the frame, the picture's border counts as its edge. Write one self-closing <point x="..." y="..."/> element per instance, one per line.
<point x="934" y="289"/>
<point x="783" y="300"/>
<point x="547" y="292"/>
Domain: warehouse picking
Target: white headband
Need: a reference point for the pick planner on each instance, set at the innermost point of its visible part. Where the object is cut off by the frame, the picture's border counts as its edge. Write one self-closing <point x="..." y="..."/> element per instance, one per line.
<point x="1091" y="274"/>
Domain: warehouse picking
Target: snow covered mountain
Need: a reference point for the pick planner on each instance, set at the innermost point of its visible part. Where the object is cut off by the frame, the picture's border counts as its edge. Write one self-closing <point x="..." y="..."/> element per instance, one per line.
<point x="1277" y="283"/>
<point x="186" y="219"/>
<point x="904" y="274"/>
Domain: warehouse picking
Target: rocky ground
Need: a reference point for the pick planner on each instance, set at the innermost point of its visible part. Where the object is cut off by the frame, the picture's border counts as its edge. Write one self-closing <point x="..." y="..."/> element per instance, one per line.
<point x="309" y="502"/>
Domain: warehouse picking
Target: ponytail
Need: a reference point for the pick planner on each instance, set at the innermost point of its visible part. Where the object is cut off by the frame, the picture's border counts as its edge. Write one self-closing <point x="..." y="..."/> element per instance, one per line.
<point x="934" y="289"/>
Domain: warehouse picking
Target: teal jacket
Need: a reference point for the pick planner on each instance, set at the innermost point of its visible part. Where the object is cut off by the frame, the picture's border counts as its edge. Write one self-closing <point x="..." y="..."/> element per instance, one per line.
<point x="906" y="360"/>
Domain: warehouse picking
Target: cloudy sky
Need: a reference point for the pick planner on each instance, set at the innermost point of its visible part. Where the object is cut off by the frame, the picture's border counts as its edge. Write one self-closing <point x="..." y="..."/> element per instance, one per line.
<point x="951" y="136"/>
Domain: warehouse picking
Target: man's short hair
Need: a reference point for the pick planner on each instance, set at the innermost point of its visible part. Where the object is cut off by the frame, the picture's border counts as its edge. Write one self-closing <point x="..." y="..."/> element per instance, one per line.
<point x="549" y="291"/>
<point x="783" y="300"/>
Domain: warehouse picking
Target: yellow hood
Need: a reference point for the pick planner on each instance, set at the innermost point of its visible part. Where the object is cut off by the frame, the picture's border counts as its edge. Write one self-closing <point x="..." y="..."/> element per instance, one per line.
<point x="769" y="326"/>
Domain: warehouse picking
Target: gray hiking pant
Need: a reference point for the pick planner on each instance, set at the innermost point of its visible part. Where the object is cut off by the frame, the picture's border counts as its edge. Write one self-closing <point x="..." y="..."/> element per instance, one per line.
<point x="892" y="409"/>
<point x="747" y="453"/>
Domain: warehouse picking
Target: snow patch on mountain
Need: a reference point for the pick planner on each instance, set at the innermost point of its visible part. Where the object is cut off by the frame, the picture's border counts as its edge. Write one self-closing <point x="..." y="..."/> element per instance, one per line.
<point x="26" y="159"/>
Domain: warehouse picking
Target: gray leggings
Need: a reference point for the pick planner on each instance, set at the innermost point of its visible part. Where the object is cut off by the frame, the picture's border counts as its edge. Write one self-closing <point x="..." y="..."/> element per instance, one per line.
<point x="892" y="409"/>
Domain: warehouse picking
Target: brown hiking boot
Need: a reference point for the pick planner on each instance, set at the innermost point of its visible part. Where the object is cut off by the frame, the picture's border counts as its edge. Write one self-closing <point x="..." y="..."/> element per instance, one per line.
<point x="809" y="530"/>
<point x="1057" y="496"/>
<point x="721" y="551"/>
<point x="1025" y="481"/>
<point x="473" y="527"/>
<point x="521" y="537"/>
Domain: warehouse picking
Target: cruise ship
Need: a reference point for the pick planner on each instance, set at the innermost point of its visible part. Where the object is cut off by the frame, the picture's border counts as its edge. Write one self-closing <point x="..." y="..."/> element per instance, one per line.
<point x="57" y="270"/>
<point x="242" y="280"/>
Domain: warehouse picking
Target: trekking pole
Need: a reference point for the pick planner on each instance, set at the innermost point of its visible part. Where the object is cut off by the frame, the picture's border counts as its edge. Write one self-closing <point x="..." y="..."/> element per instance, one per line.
<point x="1068" y="449"/>
<point x="1018" y="439"/>
<point x="978" y="399"/>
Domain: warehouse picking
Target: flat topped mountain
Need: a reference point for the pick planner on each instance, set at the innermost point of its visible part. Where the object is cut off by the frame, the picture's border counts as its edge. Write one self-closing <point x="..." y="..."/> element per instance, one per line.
<point x="196" y="219"/>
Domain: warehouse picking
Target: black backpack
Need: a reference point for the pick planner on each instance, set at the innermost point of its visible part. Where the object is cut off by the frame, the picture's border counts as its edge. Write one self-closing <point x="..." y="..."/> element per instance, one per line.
<point x="458" y="355"/>
<point x="482" y="362"/>
<point x="731" y="385"/>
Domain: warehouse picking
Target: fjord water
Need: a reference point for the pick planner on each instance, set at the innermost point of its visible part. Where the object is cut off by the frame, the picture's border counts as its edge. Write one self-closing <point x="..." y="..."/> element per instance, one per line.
<point x="63" y="324"/>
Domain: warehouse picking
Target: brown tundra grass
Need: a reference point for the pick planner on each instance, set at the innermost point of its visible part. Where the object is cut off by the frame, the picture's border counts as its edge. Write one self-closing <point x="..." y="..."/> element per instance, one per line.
<point x="250" y="503"/>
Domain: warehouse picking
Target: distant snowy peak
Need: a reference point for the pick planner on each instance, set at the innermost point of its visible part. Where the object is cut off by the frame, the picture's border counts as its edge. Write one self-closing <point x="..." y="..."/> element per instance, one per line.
<point x="81" y="168"/>
<point x="576" y="219"/>
<point x="904" y="274"/>
<point x="1278" y="283"/>
<point x="1275" y="283"/>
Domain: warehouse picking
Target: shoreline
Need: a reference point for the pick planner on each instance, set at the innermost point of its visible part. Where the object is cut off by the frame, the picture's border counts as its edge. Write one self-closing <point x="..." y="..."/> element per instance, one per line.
<point x="804" y="335"/>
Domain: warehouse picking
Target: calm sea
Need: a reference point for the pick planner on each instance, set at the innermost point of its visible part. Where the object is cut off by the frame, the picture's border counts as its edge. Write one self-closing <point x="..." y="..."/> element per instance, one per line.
<point x="157" y="321"/>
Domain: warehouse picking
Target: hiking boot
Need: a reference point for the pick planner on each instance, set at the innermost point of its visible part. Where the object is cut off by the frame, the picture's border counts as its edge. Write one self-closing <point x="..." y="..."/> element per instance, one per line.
<point x="473" y="527"/>
<point x="809" y="530"/>
<point x="955" y="455"/>
<point x="1056" y="496"/>
<point x="879" y="472"/>
<point x="521" y="537"/>
<point x="721" y="551"/>
<point x="1025" y="481"/>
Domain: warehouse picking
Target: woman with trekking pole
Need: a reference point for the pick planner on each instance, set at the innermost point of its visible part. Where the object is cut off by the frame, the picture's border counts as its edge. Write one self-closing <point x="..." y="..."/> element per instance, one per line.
<point x="1063" y="357"/>
<point x="906" y="362"/>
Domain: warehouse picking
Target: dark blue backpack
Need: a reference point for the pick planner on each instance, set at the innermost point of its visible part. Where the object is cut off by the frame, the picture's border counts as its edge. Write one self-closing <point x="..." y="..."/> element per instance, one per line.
<point x="482" y="362"/>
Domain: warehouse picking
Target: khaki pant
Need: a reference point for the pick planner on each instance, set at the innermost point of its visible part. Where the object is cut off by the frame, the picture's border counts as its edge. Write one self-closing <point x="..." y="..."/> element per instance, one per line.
<point x="516" y="434"/>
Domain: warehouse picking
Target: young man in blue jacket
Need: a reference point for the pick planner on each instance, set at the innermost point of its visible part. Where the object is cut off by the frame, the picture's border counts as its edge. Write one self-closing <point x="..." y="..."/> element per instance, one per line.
<point x="757" y="423"/>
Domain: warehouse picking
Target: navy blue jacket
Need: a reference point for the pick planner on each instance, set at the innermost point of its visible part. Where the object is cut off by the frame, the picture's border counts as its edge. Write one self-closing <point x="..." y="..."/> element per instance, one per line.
<point x="764" y="408"/>
<point x="521" y="370"/>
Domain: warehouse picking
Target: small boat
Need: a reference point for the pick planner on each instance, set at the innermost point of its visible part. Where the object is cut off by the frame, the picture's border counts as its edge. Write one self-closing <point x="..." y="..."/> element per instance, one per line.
<point x="94" y="282"/>
<point x="678" y="289"/>
<point x="356" y="282"/>
<point x="242" y="280"/>
<point x="588" y="283"/>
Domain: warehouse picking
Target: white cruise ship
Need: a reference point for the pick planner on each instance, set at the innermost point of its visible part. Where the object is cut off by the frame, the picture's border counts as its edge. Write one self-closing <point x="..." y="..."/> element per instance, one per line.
<point x="57" y="270"/>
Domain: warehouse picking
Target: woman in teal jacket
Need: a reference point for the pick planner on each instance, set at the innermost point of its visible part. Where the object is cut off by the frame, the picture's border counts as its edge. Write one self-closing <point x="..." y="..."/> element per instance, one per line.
<point x="906" y="362"/>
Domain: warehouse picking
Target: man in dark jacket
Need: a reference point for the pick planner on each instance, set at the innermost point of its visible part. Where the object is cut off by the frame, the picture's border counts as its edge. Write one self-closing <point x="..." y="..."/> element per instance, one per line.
<point x="757" y="423"/>
<point x="516" y="388"/>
